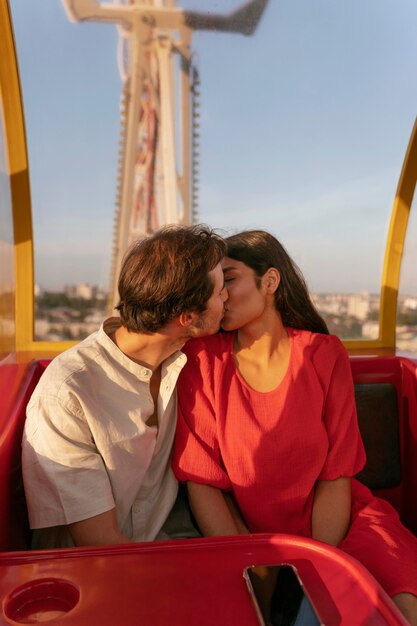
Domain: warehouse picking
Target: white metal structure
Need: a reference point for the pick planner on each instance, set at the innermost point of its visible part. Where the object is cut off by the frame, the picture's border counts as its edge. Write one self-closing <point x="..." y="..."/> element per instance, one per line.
<point x="159" y="138"/>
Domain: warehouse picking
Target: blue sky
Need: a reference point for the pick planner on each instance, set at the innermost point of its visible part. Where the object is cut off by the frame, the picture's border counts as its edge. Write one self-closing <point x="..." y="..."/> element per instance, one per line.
<point x="303" y="132"/>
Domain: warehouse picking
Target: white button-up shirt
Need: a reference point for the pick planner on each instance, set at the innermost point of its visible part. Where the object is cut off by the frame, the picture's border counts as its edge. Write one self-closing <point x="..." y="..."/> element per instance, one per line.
<point x="87" y="447"/>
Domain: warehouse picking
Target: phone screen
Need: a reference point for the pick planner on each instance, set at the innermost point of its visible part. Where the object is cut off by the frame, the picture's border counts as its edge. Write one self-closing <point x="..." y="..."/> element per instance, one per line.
<point x="279" y="596"/>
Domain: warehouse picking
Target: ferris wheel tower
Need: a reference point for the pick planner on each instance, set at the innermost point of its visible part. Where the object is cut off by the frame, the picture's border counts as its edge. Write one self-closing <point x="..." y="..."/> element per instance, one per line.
<point x="159" y="158"/>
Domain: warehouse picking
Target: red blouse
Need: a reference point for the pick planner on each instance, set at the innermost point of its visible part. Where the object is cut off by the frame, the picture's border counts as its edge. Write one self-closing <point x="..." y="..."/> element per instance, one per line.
<point x="268" y="448"/>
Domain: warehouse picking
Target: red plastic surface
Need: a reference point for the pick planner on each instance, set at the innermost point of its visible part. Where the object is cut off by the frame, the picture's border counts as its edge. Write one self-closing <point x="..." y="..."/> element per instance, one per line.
<point x="198" y="581"/>
<point x="41" y="600"/>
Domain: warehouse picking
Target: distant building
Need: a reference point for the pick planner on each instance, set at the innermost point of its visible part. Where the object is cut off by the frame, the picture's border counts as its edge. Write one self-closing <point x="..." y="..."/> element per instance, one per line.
<point x="370" y="330"/>
<point x="407" y="338"/>
<point x="83" y="291"/>
<point x="329" y="303"/>
<point x="95" y="318"/>
<point x="410" y="303"/>
<point x="358" y="305"/>
<point x="41" y="329"/>
<point x="98" y="293"/>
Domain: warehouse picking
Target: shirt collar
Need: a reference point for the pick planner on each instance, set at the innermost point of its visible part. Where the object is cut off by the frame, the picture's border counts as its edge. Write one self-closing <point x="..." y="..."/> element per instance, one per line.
<point x="175" y="361"/>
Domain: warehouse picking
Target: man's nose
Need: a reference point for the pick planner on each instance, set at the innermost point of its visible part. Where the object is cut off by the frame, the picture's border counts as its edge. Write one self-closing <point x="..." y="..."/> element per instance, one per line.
<point x="225" y="294"/>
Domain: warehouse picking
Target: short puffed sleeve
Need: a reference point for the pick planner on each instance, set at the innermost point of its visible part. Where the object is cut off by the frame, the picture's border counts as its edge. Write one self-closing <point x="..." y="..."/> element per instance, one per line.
<point x="346" y="454"/>
<point x="196" y="453"/>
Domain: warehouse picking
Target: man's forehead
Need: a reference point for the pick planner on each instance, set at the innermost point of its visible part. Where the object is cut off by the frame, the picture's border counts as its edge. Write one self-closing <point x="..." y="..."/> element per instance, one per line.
<point x="216" y="273"/>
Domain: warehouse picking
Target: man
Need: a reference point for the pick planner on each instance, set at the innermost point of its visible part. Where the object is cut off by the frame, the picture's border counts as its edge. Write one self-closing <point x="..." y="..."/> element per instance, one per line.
<point x="100" y="424"/>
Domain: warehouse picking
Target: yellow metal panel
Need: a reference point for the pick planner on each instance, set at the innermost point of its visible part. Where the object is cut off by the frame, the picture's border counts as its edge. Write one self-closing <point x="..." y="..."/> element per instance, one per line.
<point x="50" y="347"/>
<point x="393" y="257"/>
<point x="373" y="347"/>
<point x="395" y="243"/>
<point x="7" y="274"/>
<point x="19" y="180"/>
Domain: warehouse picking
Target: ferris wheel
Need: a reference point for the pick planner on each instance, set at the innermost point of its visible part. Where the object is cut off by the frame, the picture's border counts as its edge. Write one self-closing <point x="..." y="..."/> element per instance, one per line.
<point x="159" y="111"/>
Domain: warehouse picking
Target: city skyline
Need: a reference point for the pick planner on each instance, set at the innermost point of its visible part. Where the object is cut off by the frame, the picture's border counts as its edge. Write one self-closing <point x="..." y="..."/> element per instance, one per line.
<point x="303" y="135"/>
<point x="77" y="310"/>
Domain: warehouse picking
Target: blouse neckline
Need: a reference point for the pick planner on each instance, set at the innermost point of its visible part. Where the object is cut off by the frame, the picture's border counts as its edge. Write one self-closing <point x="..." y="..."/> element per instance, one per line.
<point x="284" y="379"/>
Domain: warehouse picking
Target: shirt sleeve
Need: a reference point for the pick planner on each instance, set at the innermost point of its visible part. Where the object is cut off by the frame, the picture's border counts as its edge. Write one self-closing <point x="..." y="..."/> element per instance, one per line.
<point x="346" y="454"/>
<point x="64" y="475"/>
<point x="197" y="454"/>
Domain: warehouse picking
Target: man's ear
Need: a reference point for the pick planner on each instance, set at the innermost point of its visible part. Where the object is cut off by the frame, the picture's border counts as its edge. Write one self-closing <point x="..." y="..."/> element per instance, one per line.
<point x="271" y="280"/>
<point x="187" y="319"/>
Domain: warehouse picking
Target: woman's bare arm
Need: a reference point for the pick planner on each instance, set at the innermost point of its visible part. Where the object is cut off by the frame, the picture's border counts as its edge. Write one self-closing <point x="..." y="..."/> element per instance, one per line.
<point x="236" y="514"/>
<point x="213" y="514"/>
<point x="331" y="510"/>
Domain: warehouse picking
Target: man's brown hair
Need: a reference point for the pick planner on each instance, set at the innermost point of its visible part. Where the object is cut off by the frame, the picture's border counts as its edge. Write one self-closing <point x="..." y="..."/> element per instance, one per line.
<point x="166" y="274"/>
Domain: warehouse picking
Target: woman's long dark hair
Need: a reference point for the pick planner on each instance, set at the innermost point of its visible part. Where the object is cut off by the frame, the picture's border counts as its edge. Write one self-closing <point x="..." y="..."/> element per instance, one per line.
<point x="260" y="251"/>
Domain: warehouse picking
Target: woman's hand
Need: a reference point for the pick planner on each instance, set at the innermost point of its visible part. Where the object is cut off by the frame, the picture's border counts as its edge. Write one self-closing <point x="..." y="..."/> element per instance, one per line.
<point x="331" y="510"/>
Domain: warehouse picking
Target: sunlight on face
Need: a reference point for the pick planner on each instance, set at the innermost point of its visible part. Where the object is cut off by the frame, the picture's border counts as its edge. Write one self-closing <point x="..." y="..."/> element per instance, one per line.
<point x="209" y="320"/>
<point x="247" y="300"/>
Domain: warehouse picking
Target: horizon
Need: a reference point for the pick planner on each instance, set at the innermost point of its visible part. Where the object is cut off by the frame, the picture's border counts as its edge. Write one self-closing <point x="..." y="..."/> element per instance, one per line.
<point x="104" y="290"/>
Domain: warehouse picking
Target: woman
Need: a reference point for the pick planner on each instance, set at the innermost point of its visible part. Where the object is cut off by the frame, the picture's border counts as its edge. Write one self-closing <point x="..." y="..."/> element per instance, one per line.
<point x="267" y="412"/>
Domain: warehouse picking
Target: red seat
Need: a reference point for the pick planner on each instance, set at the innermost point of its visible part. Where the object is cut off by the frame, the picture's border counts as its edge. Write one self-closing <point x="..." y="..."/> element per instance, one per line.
<point x="17" y="383"/>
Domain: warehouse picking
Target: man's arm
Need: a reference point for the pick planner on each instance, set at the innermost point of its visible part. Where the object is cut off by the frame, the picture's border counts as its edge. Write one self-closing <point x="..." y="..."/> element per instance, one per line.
<point x="213" y="515"/>
<point x="331" y="510"/>
<point x="98" y="530"/>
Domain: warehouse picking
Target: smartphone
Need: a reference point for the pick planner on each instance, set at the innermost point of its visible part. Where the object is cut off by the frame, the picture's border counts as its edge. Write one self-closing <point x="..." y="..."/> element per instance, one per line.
<point x="280" y="597"/>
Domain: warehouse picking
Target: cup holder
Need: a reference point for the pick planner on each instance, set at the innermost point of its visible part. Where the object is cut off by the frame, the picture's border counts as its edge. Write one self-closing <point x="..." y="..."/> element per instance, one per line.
<point x="41" y="600"/>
